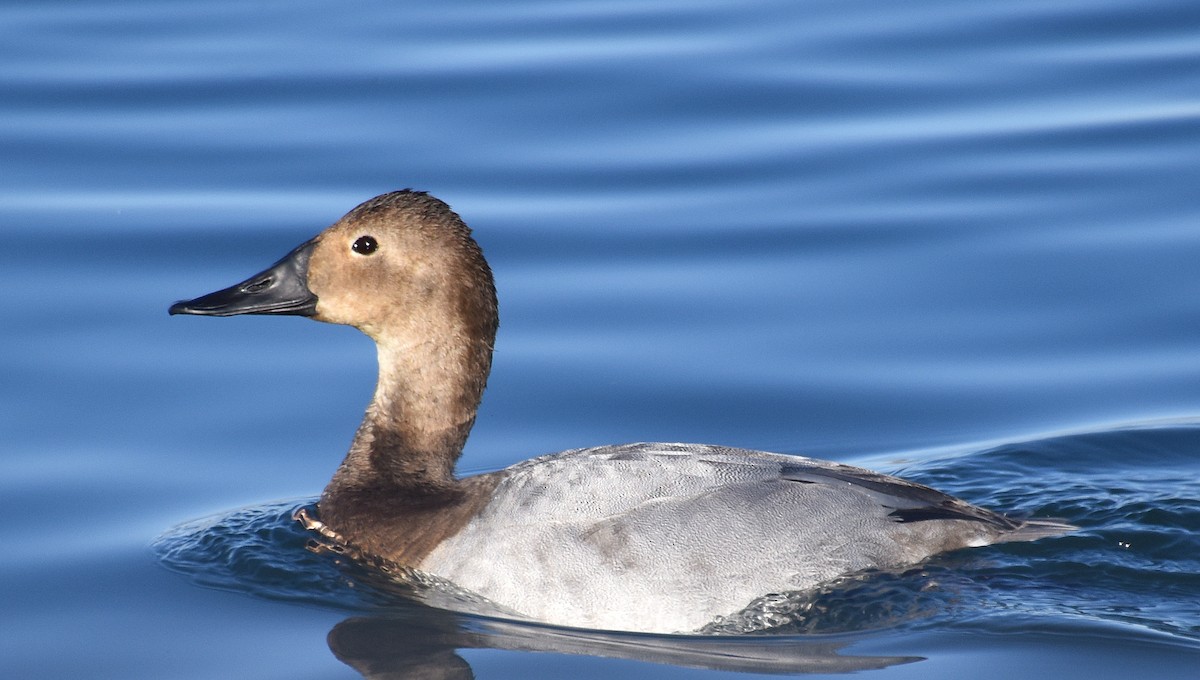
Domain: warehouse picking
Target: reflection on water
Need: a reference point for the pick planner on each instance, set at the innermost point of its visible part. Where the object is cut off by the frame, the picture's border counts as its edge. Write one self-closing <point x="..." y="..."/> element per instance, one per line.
<point x="398" y="634"/>
<point x="423" y="645"/>
<point x="1134" y="561"/>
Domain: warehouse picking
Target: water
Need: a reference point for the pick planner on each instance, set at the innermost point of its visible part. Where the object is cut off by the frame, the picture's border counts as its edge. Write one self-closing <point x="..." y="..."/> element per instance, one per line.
<point x="951" y="240"/>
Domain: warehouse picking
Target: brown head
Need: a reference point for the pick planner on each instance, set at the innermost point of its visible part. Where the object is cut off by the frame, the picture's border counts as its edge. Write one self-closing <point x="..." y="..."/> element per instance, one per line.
<point x="402" y="268"/>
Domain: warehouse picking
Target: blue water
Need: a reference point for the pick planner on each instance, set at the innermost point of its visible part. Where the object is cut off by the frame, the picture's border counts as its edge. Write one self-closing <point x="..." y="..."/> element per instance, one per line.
<point x="952" y="240"/>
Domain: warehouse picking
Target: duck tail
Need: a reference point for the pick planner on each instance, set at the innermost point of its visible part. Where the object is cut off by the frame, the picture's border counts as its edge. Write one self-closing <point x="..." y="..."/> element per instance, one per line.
<point x="1033" y="529"/>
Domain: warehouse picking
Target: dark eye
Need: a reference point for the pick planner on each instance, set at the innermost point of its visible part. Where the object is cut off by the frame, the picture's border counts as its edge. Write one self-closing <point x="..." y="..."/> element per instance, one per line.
<point x="365" y="245"/>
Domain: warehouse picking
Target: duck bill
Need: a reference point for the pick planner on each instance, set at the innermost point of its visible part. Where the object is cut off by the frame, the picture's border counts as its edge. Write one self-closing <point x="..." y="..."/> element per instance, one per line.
<point x="281" y="289"/>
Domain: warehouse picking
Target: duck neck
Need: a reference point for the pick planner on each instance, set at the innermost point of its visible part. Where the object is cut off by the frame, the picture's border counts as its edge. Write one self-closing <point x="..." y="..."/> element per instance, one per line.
<point x="415" y="428"/>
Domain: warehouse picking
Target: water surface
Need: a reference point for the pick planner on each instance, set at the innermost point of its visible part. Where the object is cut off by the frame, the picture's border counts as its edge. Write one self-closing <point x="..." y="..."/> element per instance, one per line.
<point x="951" y="240"/>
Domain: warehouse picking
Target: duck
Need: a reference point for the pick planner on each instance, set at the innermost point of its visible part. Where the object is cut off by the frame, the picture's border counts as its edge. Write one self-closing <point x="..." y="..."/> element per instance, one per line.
<point x="645" y="537"/>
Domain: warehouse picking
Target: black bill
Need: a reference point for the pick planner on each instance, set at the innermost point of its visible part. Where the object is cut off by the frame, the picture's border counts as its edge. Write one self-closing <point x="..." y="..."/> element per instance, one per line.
<point x="282" y="289"/>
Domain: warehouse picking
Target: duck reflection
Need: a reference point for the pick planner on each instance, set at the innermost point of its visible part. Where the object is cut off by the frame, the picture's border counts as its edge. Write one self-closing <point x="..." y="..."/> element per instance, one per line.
<point x="423" y="643"/>
<point x="408" y="631"/>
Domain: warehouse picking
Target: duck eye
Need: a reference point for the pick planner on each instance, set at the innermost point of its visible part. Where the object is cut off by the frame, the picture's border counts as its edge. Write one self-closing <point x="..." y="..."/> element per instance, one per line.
<point x="365" y="245"/>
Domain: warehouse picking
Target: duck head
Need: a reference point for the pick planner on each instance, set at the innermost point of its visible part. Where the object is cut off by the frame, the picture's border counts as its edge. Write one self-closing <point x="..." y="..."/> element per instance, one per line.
<point x="396" y="267"/>
<point x="402" y="268"/>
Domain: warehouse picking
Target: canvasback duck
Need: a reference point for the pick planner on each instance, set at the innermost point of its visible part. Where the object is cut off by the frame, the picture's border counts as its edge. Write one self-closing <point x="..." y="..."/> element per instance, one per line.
<point x="639" y="537"/>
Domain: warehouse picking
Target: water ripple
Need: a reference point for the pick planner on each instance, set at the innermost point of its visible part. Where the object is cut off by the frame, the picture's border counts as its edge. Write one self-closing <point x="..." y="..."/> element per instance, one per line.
<point x="1134" y="560"/>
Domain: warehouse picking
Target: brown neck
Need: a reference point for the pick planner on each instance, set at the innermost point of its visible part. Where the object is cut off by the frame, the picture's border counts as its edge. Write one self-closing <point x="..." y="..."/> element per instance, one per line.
<point x="395" y="494"/>
<point x="417" y="423"/>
